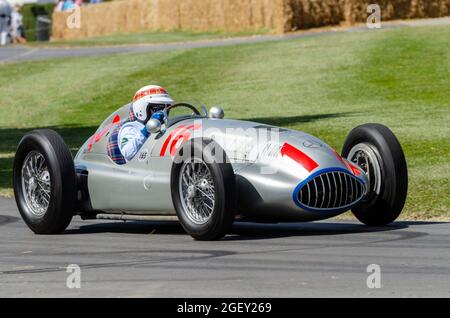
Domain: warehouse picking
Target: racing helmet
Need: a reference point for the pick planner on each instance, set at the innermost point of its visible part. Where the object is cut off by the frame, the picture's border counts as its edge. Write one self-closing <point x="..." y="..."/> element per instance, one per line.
<point x="149" y="100"/>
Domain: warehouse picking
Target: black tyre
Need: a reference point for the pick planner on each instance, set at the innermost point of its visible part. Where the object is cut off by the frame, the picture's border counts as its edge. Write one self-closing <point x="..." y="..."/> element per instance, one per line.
<point x="44" y="182"/>
<point x="203" y="190"/>
<point x="377" y="151"/>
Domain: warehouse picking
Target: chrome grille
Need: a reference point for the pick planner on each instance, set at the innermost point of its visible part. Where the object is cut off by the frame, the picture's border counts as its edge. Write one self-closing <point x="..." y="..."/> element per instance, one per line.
<point x="331" y="190"/>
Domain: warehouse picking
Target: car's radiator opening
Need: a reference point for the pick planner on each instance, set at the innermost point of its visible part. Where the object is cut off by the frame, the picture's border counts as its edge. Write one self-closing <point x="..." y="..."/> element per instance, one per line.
<point x="331" y="190"/>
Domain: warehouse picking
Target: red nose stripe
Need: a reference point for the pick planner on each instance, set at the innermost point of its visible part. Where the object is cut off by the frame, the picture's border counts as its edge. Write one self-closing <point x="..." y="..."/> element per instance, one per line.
<point x="299" y="156"/>
<point x="338" y="156"/>
<point x="355" y="170"/>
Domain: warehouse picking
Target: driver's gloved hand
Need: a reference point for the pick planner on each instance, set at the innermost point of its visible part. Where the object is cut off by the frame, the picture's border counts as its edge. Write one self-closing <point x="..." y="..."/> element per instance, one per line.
<point x="159" y="116"/>
<point x="145" y="132"/>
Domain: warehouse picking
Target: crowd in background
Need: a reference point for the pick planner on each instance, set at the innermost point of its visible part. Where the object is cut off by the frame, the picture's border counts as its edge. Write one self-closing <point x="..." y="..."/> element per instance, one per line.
<point x="11" y="24"/>
<point x="11" y="20"/>
<point x="64" y="5"/>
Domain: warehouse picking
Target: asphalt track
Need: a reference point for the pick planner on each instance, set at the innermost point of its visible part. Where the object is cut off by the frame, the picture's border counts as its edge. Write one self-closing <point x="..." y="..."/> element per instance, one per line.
<point x="156" y="259"/>
<point x="12" y="54"/>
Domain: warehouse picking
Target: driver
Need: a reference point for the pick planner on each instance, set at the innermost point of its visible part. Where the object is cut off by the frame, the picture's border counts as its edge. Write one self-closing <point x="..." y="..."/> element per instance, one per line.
<point x="148" y="102"/>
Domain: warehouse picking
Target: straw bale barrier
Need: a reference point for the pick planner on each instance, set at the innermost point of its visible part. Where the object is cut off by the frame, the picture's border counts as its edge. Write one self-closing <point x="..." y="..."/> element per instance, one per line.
<point x="127" y="16"/>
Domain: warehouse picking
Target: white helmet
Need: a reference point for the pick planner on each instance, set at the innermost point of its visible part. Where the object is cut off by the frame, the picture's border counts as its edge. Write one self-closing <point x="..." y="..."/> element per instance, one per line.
<point x="148" y="100"/>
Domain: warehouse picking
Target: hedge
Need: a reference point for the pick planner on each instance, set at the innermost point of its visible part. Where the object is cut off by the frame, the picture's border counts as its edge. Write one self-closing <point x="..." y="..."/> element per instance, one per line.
<point x="30" y="12"/>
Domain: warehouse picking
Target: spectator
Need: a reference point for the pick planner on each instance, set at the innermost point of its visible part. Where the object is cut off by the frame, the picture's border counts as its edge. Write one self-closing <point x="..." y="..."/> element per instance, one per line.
<point x="17" y="29"/>
<point x="95" y="1"/>
<point x="5" y="21"/>
<point x="59" y="6"/>
<point x="68" y="5"/>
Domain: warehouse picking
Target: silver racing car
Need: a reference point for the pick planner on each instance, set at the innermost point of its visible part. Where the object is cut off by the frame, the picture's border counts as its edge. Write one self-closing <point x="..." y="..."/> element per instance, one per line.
<point x="207" y="172"/>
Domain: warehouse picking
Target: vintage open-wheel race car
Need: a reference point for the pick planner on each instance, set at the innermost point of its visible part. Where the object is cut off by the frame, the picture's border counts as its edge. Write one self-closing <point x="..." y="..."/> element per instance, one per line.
<point x="207" y="171"/>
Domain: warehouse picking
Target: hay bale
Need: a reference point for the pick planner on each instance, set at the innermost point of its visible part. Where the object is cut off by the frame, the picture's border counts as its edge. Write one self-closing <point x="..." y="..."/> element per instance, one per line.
<point x="234" y="15"/>
<point x="315" y="13"/>
<point x="196" y="14"/>
<point x="355" y="10"/>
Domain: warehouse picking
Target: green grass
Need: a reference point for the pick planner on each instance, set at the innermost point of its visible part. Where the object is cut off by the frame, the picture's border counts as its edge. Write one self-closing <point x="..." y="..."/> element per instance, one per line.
<point x="324" y="85"/>
<point x="147" y="37"/>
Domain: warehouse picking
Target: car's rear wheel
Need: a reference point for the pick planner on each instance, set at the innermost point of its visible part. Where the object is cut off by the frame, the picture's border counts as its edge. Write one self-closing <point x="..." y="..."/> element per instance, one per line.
<point x="375" y="149"/>
<point x="203" y="190"/>
<point x="44" y="182"/>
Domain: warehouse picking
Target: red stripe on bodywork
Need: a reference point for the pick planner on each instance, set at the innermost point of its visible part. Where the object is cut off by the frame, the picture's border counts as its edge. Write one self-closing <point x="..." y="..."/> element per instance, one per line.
<point x="116" y="119"/>
<point x="169" y="138"/>
<point x="181" y="132"/>
<point x="185" y="135"/>
<point x="91" y="143"/>
<point x="355" y="169"/>
<point x="338" y="156"/>
<point x="299" y="156"/>
<point x="350" y="166"/>
<point x="96" y="137"/>
<point x="99" y="136"/>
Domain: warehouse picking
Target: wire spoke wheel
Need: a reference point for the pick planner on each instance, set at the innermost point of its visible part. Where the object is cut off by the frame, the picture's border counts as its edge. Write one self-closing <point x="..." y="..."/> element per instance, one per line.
<point x="36" y="183"/>
<point x="203" y="190"/>
<point x="197" y="191"/>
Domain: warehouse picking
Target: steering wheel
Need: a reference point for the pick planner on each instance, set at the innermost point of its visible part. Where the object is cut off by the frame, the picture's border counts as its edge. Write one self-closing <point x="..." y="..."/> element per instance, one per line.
<point x="195" y="110"/>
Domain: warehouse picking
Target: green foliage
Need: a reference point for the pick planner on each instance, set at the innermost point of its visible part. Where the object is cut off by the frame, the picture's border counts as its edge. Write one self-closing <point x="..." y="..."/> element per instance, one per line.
<point x="30" y="11"/>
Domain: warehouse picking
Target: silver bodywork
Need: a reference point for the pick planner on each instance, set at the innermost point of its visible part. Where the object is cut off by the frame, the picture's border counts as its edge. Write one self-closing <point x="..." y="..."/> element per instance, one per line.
<point x="268" y="181"/>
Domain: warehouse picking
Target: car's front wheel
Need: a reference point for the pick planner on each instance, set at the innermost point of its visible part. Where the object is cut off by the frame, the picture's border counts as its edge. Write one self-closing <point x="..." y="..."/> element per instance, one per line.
<point x="203" y="190"/>
<point x="375" y="149"/>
